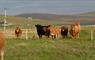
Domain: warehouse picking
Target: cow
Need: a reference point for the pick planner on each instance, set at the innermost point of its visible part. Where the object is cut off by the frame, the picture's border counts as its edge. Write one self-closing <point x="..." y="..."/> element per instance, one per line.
<point x="18" y="32"/>
<point x="75" y="29"/>
<point x="54" y="32"/>
<point x="43" y="30"/>
<point x="64" y="31"/>
<point x="2" y="44"/>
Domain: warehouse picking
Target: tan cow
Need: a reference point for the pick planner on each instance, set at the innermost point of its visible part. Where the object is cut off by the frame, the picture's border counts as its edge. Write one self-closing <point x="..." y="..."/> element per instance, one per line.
<point x="75" y="29"/>
<point x="55" y="32"/>
<point x="2" y="43"/>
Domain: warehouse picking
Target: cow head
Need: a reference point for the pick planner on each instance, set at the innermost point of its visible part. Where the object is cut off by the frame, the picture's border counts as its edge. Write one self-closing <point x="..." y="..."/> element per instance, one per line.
<point x="38" y="26"/>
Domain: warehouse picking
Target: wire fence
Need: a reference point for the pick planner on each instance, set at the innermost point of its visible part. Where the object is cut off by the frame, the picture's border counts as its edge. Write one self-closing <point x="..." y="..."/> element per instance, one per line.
<point x="31" y="33"/>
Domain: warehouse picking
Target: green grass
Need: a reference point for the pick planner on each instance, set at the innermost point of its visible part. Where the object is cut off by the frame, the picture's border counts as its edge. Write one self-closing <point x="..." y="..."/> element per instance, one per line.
<point x="48" y="49"/>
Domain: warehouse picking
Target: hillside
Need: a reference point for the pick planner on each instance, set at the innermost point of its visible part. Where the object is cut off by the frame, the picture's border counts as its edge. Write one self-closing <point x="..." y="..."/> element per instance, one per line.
<point x="23" y="22"/>
<point x="14" y="20"/>
<point x="89" y="16"/>
<point x="41" y="16"/>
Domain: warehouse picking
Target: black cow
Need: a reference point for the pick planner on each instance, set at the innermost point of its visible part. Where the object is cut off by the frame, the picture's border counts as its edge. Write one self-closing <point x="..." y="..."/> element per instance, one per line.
<point x="64" y="31"/>
<point x="43" y="30"/>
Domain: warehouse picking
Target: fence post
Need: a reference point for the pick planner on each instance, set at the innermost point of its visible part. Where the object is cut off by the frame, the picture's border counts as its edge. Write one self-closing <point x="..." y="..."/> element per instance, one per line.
<point x="26" y="34"/>
<point x="91" y="34"/>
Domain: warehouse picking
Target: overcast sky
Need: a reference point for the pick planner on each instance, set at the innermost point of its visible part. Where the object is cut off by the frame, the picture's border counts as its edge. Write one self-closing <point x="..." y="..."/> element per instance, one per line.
<point x="47" y="6"/>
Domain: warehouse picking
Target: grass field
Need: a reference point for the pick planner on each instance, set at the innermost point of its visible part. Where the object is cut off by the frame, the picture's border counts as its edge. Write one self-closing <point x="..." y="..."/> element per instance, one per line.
<point x="48" y="49"/>
<point x="82" y="48"/>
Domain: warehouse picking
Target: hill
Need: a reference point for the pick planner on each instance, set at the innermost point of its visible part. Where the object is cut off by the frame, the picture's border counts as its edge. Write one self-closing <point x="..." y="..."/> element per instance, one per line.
<point x="39" y="18"/>
<point x="44" y="16"/>
<point x="23" y="22"/>
<point x="89" y="16"/>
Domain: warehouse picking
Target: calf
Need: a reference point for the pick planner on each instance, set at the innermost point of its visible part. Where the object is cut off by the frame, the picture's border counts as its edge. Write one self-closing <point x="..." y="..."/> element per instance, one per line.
<point x="18" y="32"/>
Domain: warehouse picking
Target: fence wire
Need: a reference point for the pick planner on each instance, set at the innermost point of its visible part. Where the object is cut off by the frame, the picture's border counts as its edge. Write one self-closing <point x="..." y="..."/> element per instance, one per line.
<point x="30" y="33"/>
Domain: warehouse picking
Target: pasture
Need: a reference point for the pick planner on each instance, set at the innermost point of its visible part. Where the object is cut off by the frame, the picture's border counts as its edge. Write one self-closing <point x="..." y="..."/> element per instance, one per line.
<point x="82" y="48"/>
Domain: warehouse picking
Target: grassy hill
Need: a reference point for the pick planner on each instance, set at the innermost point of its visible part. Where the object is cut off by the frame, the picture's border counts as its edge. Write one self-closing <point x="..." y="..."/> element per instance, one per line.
<point x="45" y="16"/>
<point x="24" y="22"/>
<point x="37" y="18"/>
<point x="87" y="17"/>
<point x="88" y="14"/>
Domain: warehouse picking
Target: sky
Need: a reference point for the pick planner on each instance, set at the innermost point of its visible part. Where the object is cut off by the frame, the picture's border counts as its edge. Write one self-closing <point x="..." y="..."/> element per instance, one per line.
<point x="15" y="7"/>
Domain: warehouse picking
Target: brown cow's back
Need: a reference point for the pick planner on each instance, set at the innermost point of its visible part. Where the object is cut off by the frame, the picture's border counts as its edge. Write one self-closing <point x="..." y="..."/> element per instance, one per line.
<point x="2" y="40"/>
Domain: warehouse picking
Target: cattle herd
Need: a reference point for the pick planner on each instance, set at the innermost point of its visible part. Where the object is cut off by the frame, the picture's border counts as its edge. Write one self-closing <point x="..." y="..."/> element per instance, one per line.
<point x="45" y="31"/>
<point x="54" y="32"/>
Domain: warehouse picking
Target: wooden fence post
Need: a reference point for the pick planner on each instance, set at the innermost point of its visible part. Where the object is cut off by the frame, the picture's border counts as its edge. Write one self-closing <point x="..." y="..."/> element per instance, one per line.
<point x="26" y="34"/>
<point x="91" y="34"/>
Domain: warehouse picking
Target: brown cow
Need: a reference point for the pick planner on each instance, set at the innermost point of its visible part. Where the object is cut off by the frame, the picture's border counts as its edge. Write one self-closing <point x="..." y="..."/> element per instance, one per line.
<point x="55" y="32"/>
<point x="64" y="31"/>
<point x="18" y="32"/>
<point x="75" y="29"/>
<point x="2" y="43"/>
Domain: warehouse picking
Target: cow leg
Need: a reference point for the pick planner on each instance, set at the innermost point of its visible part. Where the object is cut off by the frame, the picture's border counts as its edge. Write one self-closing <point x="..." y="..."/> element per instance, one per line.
<point x="64" y="36"/>
<point x="78" y="35"/>
<point x="52" y="36"/>
<point x="55" y="36"/>
<point x="72" y="37"/>
<point x="48" y="36"/>
<point x="17" y="35"/>
<point x="40" y="36"/>
<point x="2" y="55"/>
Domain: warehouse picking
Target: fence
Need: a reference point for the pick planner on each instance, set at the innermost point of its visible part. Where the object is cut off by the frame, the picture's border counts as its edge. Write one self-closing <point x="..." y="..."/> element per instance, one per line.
<point x="29" y="33"/>
<point x="26" y="33"/>
<point x="87" y="34"/>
